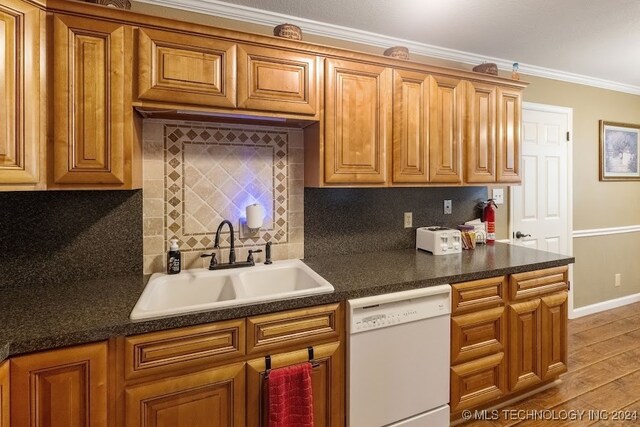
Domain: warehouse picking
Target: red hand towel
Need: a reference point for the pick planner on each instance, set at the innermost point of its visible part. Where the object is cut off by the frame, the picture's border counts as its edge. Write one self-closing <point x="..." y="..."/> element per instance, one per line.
<point x="290" y="402"/>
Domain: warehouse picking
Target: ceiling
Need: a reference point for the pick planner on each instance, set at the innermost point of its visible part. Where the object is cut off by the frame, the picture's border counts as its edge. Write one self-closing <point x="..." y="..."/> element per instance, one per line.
<point x="598" y="40"/>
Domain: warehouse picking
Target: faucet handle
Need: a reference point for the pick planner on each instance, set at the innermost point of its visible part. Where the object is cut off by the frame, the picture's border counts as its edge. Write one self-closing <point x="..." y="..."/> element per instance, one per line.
<point x="251" y="252"/>
<point x="213" y="262"/>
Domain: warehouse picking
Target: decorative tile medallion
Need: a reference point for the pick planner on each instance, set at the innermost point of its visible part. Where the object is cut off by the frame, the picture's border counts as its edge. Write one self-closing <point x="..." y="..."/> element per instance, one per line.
<point x="212" y="173"/>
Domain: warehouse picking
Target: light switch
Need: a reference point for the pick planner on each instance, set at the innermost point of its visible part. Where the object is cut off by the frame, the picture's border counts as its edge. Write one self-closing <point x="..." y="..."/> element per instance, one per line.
<point x="498" y="196"/>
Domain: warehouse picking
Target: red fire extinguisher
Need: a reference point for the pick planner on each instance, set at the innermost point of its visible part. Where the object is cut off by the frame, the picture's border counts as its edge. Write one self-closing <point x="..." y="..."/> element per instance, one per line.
<point x="489" y="217"/>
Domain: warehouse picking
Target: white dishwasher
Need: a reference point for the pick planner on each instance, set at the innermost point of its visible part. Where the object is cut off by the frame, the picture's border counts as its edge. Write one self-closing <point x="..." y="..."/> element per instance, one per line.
<point x="398" y="359"/>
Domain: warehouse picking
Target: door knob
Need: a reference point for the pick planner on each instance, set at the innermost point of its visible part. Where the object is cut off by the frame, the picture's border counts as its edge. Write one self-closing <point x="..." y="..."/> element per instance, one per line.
<point x="519" y="235"/>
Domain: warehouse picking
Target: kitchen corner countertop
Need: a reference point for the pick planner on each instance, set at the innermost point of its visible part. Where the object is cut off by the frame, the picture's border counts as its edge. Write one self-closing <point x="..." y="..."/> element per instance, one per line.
<point x="46" y="317"/>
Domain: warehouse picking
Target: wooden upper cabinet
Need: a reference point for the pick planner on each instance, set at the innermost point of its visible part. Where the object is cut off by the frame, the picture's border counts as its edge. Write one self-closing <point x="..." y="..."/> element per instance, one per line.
<point x="186" y="69"/>
<point x="480" y="154"/>
<point x="4" y="394"/>
<point x="357" y="123"/>
<point x="410" y="127"/>
<point x="93" y="128"/>
<point x="509" y="133"/>
<point x="22" y="113"/>
<point x="60" y="388"/>
<point x="213" y="397"/>
<point x="446" y="129"/>
<point x="277" y="80"/>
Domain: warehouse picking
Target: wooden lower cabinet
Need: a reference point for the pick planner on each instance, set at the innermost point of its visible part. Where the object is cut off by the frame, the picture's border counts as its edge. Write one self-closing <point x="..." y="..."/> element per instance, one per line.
<point x="477" y="382"/>
<point x="524" y="339"/>
<point x="327" y="382"/>
<point x="213" y="397"/>
<point x="4" y="394"/>
<point x="553" y="320"/>
<point x="60" y="388"/>
<point x="504" y="343"/>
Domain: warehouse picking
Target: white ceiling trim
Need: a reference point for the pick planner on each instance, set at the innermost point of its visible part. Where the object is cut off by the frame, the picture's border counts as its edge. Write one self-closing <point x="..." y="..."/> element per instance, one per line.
<point x="263" y="17"/>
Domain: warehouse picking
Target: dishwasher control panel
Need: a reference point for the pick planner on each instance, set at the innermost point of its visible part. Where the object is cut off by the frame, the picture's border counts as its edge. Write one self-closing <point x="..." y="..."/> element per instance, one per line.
<point x="388" y="310"/>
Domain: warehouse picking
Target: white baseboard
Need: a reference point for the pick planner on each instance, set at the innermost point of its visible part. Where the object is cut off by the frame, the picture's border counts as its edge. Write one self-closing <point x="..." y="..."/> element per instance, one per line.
<point x="605" y="305"/>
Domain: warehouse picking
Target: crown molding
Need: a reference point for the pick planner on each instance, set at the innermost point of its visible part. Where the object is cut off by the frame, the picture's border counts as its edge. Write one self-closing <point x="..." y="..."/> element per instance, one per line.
<point x="263" y="17"/>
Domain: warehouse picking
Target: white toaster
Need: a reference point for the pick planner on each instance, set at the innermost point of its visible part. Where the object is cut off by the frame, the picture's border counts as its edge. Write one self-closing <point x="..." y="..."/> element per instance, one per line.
<point x="438" y="240"/>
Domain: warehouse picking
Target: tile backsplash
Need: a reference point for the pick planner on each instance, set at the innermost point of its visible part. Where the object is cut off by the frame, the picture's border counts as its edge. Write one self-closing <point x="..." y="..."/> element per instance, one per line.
<point x="197" y="174"/>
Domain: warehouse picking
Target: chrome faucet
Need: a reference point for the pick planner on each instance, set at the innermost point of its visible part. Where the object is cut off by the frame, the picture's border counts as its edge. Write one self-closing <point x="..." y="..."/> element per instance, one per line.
<point x="214" y="265"/>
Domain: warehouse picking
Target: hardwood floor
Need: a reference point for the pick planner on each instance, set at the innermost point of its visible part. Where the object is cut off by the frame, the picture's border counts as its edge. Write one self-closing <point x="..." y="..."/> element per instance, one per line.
<point x="604" y="375"/>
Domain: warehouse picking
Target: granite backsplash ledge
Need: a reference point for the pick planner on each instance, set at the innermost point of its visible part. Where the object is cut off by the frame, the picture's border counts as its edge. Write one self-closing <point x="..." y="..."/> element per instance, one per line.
<point x="359" y="220"/>
<point x="55" y="237"/>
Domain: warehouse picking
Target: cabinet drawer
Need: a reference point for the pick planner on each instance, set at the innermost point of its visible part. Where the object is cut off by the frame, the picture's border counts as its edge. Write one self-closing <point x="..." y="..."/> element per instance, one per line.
<point x="536" y="283"/>
<point x="293" y="328"/>
<point x="477" y="334"/>
<point x="477" y="382"/>
<point x="167" y="352"/>
<point x="478" y="294"/>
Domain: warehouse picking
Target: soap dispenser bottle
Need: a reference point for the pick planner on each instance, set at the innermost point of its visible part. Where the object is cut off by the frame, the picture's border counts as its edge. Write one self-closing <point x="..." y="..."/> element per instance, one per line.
<point x="174" y="258"/>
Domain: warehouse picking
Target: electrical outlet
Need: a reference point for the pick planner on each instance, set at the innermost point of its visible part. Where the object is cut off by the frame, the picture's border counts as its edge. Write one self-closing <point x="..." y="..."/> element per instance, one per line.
<point x="408" y="219"/>
<point x="497" y="194"/>
<point x="447" y="207"/>
<point x="616" y="282"/>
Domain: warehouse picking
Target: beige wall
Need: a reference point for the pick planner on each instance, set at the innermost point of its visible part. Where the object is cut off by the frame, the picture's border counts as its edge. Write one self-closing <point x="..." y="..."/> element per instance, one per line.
<point x="595" y="205"/>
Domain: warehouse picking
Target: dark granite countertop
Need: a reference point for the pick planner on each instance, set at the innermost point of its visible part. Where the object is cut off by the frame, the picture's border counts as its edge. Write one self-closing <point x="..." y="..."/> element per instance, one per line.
<point x="44" y="317"/>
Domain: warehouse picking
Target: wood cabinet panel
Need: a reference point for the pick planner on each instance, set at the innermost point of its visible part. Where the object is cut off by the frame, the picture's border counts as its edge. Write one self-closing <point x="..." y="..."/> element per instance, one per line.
<point x="480" y="158"/>
<point x="446" y="129"/>
<point x="509" y="134"/>
<point x="357" y="122"/>
<point x="185" y="68"/>
<point x="277" y="80"/>
<point x="524" y="344"/>
<point x="93" y="140"/>
<point x="410" y="127"/>
<point x="539" y="282"/>
<point x="60" y="388"/>
<point x="478" y="294"/>
<point x="554" y="321"/>
<point x="22" y="114"/>
<point x="294" y="328"/>
<point x="478" y="334"/>
<point x="169" y="351"/>
<point x="4" y="394"/>
<point x="327" y="382"/>
<point x="477" y="382"/>
<point x="213" y="397"/>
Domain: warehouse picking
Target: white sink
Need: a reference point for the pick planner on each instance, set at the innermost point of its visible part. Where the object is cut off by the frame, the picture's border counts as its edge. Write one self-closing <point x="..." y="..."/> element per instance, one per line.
<point x="203" y="290"/>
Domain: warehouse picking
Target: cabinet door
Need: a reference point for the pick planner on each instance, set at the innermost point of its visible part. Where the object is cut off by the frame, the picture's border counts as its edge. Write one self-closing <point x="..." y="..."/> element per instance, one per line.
<point x="188" y="69"/>
<point x="4" y="394"/>
<point x="553" y="331"/>
<point x="357" y="122"/>
<point x="477" y="382"/>
<point x="478" y="334"/>
<point x="92" y="102"/>
<point x="410" y="127"/>
<point x="509" y="129"/>
<point x="524" y="344"/>
<point x="214" y="397"/>
<point x="60" y="388"/>
<point x="480" y="158"/>
<point x="446" y="129"/>
<point x="21" y="131"/>
<point x="277" y="80"/>
<point x="327" y="382"/>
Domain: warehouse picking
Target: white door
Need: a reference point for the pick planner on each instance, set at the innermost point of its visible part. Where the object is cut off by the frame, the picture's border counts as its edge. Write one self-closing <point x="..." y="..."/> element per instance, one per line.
<point x="541" y="206"/>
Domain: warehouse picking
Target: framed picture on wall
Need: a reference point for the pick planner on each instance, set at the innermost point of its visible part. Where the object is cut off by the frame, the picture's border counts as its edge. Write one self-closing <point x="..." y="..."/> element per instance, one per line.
<point x="619" y="145"/>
